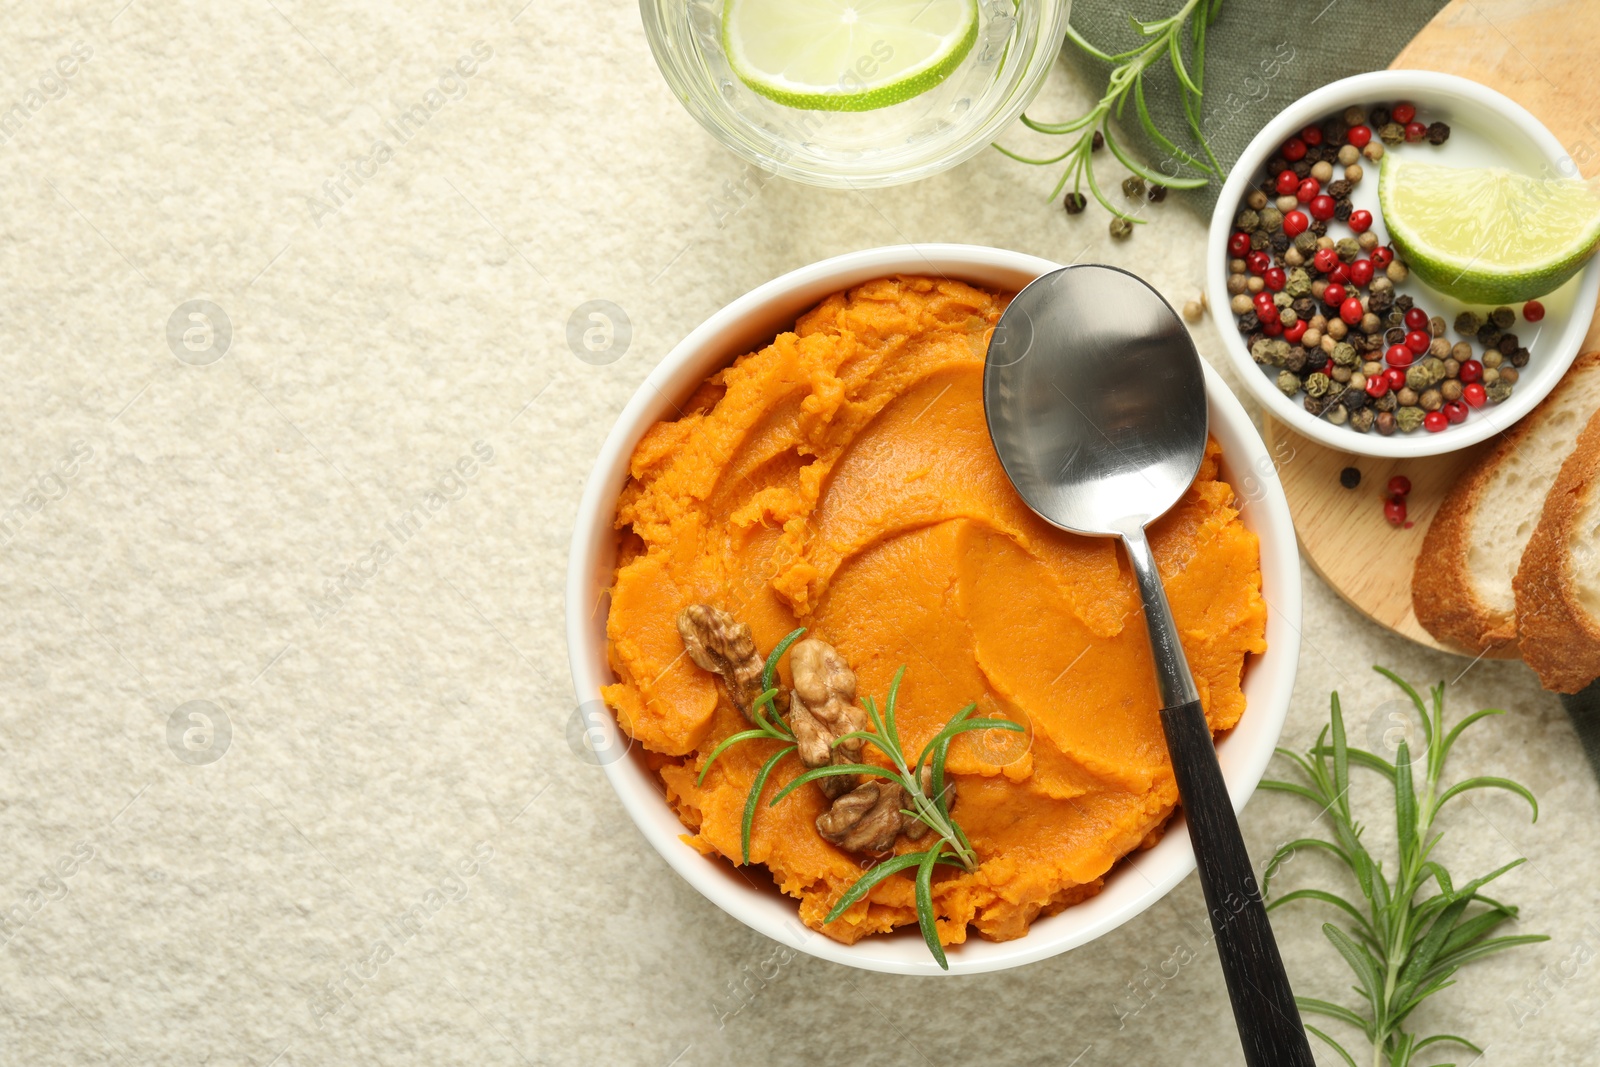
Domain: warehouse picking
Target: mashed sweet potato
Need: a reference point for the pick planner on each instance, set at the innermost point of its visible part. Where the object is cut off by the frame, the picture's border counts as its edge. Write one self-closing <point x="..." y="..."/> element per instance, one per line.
<point x="842" y="479"/>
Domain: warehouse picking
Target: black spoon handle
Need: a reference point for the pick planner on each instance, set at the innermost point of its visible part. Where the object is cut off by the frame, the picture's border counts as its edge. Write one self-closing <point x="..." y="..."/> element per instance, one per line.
<point x="1263" y="1004"/>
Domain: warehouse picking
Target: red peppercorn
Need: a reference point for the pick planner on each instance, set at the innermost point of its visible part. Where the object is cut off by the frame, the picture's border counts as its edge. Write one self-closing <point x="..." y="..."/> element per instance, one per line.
<point x="1415" y="131"/>
<point x="1399" y="356"/>
<point x="1321" y="207"/>
<point x="1377" y="386"/>
<point x="1325" y="260"/>
<point x="1474" y="394"/>
<point x="1311" y="135"/>
<point x="1394" y="508"/>
<point x="1307" y="190"/>
<point x="1382" y="257"/>
<point x="1239" y="244"/>
<point x="1258" y="261"/>
<point x="1434" y="421"/>
<point x="1333" y="295"/>
<point x="1418" y="341"/>
<point x="1267" y="313"/>
<point x="1288" y="182"/>
<point x="1361" y="271"/>
<point x="1294" y="150"/>
<point x="1340" y="273"/>
<point x="1455" y="410"/>
<point x="1397" y="377"/>
<point x="1399" y="485"/>
<point x="1351" y="310"/>
<point x="1275" y="278"/>
<point x="1533" y="311"/>
<point x="1264" y="300"/>
<point x="1360" y="221"/>
<point x="1295" y="223"/>
<point x="1471" y="371"/>
<point x="1293" y="333"/>
<point x="1403" y="112"/>
<point x="1273" y="328"/>
<point x="1358" y="136"/>
<point x="1416" y="319"/>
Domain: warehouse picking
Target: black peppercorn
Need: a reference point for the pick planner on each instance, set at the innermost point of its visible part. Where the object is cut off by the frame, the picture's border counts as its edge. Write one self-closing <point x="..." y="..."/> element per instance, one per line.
<point x="1316" y="404"/>
<point x="1350" y="477"/>
<point x="1259" y="240"/>
<point x="1507" y="344"/>
<point x="1519" y="358"/>
<point x="1395" y="336"/>
<point x="1404" y="302"/>
<point x="1341" y="210"/>
<point x="1250" y="339"/>
<point x="1378" y="116"/>
<point x="1275" y="166"/>
<point x="1438" y="133"/>
<point x="1354" y="399"/>
<point x="1157" y="193"/>
<point x="1340" y="189"/>
<point x="1305" y="307"/>
<point x="1281" y="242"/>
<point x="1248" y="322"/>
<point x="1378" y="303"/>
<point x="1320" y="227"/>
<point x="1098" y="142"/>
<point x="1333" y="133"/>
<point x="1302" y="169"/>
<point x="1488" y="335"/>
<point x="1074" y="203"/>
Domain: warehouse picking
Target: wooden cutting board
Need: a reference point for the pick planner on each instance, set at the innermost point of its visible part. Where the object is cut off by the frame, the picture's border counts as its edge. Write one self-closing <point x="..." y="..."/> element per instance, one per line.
<point x="1540" y="54"/>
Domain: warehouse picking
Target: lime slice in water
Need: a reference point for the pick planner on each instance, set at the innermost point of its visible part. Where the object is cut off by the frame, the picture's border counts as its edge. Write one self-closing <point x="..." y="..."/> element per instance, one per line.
<point x="846" y="55"/>
<point x="1487" y="236"/>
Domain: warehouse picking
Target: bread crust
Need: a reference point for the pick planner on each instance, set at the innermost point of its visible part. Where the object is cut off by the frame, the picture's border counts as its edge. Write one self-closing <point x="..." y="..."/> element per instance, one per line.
<point x="1560" y="640"/>
<point x="1442" y="593"/>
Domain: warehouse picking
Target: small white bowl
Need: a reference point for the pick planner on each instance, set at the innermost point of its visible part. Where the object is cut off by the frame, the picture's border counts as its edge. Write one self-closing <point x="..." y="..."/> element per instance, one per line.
<point x="1486" y="129"/>
<point x="750" y="322"/>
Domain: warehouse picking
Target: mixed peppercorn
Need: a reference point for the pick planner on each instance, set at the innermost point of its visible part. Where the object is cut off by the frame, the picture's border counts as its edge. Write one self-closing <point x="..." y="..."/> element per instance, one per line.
<point x="1327" y="312"/>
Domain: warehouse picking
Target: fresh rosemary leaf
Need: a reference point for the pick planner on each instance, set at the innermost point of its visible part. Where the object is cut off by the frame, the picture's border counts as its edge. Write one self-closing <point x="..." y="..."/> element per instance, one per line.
<point x="874" y="875"/>
<point x="745" y="735"/>
<point x="755" y="796"/>
<point x="833" y="770"/>
<point x="925" y="915"/>
<point x="771" y="668"/>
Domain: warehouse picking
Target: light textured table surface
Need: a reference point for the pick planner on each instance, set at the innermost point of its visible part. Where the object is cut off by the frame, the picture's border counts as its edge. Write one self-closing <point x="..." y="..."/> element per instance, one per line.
<point x="386" y="851"/>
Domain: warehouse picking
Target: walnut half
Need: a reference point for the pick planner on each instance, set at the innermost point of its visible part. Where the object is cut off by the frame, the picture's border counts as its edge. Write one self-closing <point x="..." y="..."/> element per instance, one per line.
<point x="823" y="709"/>
<point x="721" y="644"/>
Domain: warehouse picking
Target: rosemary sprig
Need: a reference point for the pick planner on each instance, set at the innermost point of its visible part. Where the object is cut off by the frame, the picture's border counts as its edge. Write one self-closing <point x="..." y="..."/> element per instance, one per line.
<point x="929" y="806"/>
<point x="1164" y="39"/>
<point x="1403" y="943"/>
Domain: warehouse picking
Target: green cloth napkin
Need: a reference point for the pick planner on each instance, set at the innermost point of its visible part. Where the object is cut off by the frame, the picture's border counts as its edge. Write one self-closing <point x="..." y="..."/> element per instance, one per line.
<point x="1260" y="57"/>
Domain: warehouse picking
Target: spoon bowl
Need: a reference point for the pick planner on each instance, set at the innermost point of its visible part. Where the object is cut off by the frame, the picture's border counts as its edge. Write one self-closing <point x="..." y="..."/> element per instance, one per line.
<point x="1096" y="400"/>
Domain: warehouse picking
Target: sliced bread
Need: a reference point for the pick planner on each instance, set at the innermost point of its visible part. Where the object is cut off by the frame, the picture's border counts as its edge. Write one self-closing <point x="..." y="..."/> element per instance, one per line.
<point x="1461" y="589"/>
<point x="1558" y="583"/>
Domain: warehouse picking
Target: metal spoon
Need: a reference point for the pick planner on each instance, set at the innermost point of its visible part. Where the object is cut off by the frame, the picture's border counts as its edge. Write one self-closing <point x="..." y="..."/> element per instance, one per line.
<point x="1096" y="402"/>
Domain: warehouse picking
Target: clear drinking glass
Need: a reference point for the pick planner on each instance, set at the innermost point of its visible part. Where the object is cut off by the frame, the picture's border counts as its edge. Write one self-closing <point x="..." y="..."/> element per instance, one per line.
<point x="1017" y="42"/>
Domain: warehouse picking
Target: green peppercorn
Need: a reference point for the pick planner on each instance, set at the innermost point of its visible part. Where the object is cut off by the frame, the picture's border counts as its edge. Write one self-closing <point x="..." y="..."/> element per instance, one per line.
<point x="1121" y="228"/>
<point x="1409" y="420"/>
<point x="1133" y="188"/>
<point x="1468" y="323"/>
<point x="1318" y="384"/>
<point x="1386" y="402"/>
<point x="1298" y="283"/>
<point x="1306" y="243"/>
<point x="1270" y="218"/>
<point x="1347" y="249"/>
<point x="1392" y="133"/>
<point x="1288" y="383"/>
<point x="1247" y="220"/>
<point x="1361" y="421"/>
<point x="1498" y="391"/>
<point x="1344" y="354"/>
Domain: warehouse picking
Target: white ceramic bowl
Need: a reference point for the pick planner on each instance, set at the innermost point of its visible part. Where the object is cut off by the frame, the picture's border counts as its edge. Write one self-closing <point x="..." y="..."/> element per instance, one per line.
<point x="1487" y="129"/>
<point x="746" y="324"/>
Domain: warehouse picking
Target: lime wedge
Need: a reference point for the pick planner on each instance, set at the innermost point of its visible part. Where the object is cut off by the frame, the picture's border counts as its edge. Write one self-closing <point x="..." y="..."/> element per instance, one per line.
<point x="1487" y="236"/>
<point x="846" y="55"/>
